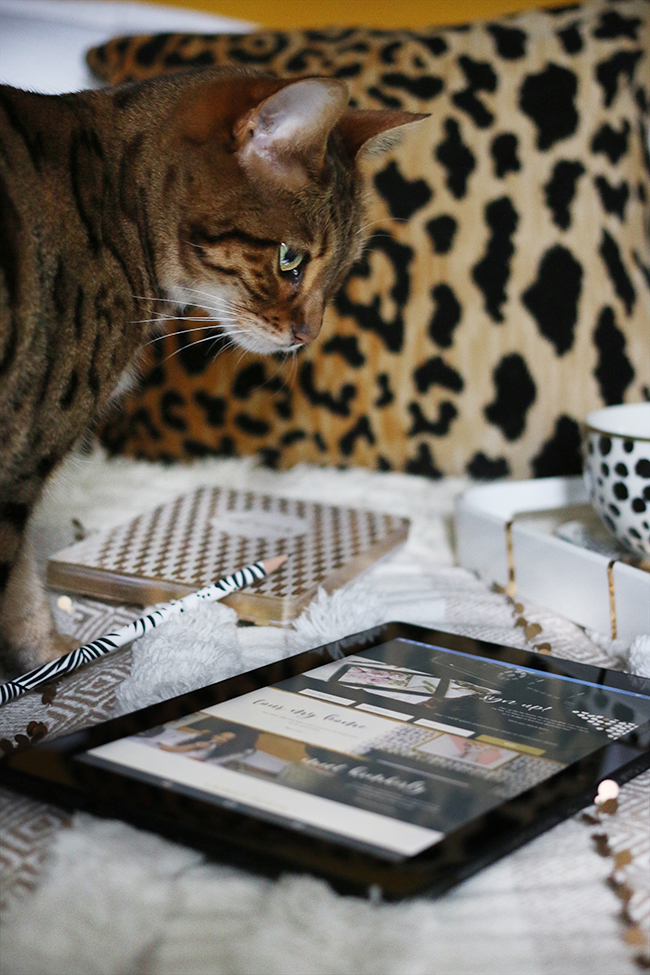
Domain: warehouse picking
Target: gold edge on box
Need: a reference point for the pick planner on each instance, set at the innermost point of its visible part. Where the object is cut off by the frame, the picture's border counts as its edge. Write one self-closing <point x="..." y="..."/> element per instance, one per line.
<point x="260" y="608"/>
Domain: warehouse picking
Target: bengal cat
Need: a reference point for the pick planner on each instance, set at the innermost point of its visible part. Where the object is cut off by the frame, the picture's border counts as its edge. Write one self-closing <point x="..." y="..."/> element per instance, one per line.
<point x="225" y="189"/>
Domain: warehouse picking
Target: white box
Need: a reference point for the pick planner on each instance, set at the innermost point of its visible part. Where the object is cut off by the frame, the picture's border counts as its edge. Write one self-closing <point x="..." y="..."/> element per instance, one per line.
<point x="505" y="533"/>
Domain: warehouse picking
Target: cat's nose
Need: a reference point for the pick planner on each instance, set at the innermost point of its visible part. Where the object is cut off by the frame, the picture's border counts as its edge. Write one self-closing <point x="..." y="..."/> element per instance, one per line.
<point x="305" y="333"/>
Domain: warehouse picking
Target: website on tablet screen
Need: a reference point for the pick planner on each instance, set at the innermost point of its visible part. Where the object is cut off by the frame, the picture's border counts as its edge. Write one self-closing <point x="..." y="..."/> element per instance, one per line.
<point x="387" y="750"/>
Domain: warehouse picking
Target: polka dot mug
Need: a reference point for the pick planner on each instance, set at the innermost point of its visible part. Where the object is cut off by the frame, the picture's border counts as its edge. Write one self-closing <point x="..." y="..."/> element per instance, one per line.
<point x="617" y="471"/>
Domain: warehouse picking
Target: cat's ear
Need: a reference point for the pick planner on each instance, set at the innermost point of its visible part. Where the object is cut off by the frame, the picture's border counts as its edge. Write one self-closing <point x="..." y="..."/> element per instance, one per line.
<point x="284" y="138"/>
<point x="373" y="130"/>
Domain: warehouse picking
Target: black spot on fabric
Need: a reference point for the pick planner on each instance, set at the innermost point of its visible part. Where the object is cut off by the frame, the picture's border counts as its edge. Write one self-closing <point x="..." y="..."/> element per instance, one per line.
<point x="320" y="443"/>
<point x="484" y="468"/>
<point x="439" y="427"/>
<point x="292" y="436"/>
<point x="248" y="380"/>
<point x="457" y="158"/>
<point x="383" y="464"/>
<point x="170" y="401"/>
<point x="301" y="59"/>
<point x="560" y="456"/>
<point x="553" y="297"/>
<point x="436" y="372"/>
<point x="269" y="457"/>
<point x="386" y="396"/>
<point x="252" y="425"/>
<point x="548" y="98"/>
<point x="442" y="231"/>
<point x="175" y="60"/>
<point x="435" y="44"/>
<point x="492" y="272"/>
<point x="446" y="316"/>
<point x="608" y="73"/>
<point x="347" y="346"/>
<point x="282" y="406"/>
<point x="480" y="77"/>
<point x="515" y="394"/>
<point x="560" y="190"/>
<point x="404" y="197"/>
<point x="570" y="38"/>
<point x="423" y="463"/>
<point x="193" y="356"/>
<point x="389" y="101"/>
<point x="347" y="71"/>
<point x="613" y="198"/>
<point x="611" y="255"/>
<point x="611" y="142"/>
<point x="643" y="268"/>
<point x="338" y="405"/>
<point x="612" y="26"/>
<point x="387" y="54"/>
<point x="425" y="87"/>
<point x="214" y="408"/>
<point x="266" y="47"/>
<point x="614" y="371"/>
<point x="155" y="378"/>
<point x="369" y="317"/>
<point x="510" y="41"/>
<point x="146" y="54"/>
<point x="504" y="153"/>
<point x="360" y="431"/>
<point x="331" y="34"/>
<point x="196" y="450"/>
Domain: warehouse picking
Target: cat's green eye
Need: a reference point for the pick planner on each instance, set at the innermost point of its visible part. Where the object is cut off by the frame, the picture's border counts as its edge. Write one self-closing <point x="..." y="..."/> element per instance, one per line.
<point x="290" y="259"/>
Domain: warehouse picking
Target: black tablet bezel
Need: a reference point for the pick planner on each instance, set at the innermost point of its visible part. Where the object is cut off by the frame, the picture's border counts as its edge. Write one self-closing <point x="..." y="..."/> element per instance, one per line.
<point x="48" y="771"/>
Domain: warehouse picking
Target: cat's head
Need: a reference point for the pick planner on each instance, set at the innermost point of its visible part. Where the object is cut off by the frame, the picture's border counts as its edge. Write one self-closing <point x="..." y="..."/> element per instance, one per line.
<point x="270" y="202"/>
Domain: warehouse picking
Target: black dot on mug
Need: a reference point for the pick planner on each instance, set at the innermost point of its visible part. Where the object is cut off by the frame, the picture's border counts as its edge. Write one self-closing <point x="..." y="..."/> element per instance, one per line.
<point x="614" y="510"/>
<point x="646" y="493"/>
<point x="610" y="524"/>
<point x="643" y="467"/>
<point x="621" y="470"/>
<point x="634" y="533"/>
<point x="605" y="445"/>
<point x="628" y="446"/>
<point x="604" y="470"/>
<point x="638" y="505"/>
<point x="620" y="491"/>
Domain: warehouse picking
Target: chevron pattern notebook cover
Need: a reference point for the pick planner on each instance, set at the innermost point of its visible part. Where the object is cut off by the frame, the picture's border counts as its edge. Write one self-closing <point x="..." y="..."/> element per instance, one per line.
<point x="201" y="536"/>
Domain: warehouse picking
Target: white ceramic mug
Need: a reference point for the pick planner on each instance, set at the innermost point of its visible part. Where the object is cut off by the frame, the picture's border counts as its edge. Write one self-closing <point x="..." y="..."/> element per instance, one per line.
<point x="617" y="471"/>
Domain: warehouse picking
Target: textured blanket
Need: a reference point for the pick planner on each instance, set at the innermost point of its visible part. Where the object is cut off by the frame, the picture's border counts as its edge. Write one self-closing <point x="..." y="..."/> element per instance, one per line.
<point x="86" y="895"/>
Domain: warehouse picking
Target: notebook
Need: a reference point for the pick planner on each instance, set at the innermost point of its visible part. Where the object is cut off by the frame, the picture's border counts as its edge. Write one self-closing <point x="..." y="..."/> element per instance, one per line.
<point x="206" y="534"/>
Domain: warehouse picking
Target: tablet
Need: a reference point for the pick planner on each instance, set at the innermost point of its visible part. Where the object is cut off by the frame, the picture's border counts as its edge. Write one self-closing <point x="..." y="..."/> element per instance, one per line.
<point x="397" y="761"/>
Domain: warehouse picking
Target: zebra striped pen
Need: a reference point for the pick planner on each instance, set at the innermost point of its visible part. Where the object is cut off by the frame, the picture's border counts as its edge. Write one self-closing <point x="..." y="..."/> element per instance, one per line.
<point x="113" y="641"/>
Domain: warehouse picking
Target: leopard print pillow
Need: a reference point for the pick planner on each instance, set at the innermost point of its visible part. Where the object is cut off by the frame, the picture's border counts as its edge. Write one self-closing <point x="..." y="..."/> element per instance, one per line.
<point x="505" y="290"/>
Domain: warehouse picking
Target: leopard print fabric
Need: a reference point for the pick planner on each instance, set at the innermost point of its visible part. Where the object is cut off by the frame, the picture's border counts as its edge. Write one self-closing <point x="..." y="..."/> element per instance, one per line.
<point x="505" y="291"/>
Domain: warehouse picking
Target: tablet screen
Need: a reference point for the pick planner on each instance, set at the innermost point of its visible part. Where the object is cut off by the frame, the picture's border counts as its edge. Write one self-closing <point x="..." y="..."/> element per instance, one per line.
<point x="387" y="750"/>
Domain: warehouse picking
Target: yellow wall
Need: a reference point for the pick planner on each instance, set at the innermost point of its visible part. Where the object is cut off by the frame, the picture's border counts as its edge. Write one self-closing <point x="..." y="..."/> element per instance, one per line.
<point x="370" y="13"/>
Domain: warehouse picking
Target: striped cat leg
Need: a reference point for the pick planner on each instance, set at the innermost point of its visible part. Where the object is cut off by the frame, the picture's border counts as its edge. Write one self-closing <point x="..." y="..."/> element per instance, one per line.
<point x="27" y="634"/>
